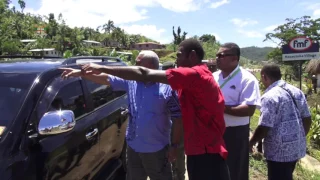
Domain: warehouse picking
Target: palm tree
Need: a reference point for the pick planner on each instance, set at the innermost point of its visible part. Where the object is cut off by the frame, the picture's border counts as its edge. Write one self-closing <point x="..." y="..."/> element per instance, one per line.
<point x="108" y="27"/>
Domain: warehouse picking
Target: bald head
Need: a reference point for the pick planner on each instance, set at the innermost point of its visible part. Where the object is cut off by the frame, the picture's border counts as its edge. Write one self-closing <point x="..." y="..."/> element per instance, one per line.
<point x="148" y="59"/>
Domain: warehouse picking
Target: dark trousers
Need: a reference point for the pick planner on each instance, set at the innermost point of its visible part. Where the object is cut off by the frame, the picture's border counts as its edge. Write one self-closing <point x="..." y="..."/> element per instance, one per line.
<point x="237" y="143"/>
<point x="280" y="170"/>
<point x="207" y="167"/>
<point x="155" y="165"/>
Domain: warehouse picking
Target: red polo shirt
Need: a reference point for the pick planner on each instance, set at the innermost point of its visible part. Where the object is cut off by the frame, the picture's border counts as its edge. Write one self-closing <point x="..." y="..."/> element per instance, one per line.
<point x="202" y="107"/>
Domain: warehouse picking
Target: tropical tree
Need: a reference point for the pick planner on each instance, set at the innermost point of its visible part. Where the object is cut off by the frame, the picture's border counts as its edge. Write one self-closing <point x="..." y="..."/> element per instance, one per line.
<point x="208" y="38"/>
<point x="177" y="37"/>
<point x="108" y="27"/>
<point x="303" y="26"/>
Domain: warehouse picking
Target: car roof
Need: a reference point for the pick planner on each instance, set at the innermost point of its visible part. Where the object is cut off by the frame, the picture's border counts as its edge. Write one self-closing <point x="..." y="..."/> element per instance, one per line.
<point x="41" y="65"/>
<point x="29" y="66"/>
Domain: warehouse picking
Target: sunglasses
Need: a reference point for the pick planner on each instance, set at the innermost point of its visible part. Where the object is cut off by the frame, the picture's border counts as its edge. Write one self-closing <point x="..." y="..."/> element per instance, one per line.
<point x="220" y="56"/>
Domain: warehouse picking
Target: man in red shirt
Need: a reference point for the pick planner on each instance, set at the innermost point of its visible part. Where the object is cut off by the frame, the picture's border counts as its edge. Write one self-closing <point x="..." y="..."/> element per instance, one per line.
<point x="202" y="106"/>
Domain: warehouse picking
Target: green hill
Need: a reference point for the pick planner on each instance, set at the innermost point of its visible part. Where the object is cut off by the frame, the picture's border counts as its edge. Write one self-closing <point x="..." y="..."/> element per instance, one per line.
<point x="256" y="53"/>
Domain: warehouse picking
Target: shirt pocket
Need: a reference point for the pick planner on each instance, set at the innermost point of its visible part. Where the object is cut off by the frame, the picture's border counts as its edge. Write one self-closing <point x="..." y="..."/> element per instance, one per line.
<point x="231" y="93"/>
<point x="157" y="103"/>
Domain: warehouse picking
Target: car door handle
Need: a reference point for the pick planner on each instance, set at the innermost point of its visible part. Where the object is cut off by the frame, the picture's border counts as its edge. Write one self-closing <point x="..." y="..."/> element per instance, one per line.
<point x="124" y="112"/>
<point x="91" y="134"/>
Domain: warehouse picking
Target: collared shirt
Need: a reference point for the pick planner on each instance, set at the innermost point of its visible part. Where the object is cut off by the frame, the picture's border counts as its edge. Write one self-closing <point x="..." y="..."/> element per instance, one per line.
<point x="202" y="107"/>
<point x="151" y="107"/>
<point x="286" y="140"/>
<point x="241" y="89"/>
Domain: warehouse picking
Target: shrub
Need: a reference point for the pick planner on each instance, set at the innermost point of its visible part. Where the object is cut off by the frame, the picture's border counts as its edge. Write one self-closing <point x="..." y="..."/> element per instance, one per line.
<point x="314" y="134"/>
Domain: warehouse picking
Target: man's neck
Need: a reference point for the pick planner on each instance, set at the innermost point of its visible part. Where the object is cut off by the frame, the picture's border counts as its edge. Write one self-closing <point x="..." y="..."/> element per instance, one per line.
<point x="226" y="73"/>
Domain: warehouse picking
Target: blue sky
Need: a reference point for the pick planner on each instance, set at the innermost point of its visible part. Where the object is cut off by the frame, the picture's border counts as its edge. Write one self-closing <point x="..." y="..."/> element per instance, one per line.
<point x="241" y="21"/>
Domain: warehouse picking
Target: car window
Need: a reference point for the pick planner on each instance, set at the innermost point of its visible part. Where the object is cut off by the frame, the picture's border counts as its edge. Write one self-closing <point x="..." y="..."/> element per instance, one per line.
<point x="70" y="97"/>
<point x="13" y="91"/>
<point x="102" y="94"/>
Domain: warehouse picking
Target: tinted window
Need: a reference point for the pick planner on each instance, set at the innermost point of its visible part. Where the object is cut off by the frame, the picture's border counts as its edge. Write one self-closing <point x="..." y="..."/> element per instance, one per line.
<point x="13" y="90"/>
<point x="70" y="97"/>
<point x="102" y="94"/>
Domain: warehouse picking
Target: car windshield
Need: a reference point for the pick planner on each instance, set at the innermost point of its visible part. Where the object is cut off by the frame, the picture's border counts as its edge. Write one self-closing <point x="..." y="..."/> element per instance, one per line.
<point x="13" y="89"/>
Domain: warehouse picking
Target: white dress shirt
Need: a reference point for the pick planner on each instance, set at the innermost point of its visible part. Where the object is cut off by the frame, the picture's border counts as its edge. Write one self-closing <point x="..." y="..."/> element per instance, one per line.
<point x="242" y="88"/>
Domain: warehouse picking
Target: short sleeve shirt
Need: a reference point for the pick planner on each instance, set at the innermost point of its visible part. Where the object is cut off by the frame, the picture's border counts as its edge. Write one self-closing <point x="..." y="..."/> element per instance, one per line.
<point x="202" y="107"/>
<point x="152" y="106"/>
<point x="241" y="89"/>
<point x="286" y="139"/>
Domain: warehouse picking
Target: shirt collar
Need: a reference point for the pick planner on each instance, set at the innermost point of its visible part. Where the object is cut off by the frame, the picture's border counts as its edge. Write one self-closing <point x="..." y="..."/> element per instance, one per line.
<point x="277" y="83"/>
<point x="230" y="73"/>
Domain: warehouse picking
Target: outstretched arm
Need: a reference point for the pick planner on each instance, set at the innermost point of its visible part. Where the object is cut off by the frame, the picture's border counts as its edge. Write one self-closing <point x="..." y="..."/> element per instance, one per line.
<point x="129" y="73"/>
<point x="100" y="78"/>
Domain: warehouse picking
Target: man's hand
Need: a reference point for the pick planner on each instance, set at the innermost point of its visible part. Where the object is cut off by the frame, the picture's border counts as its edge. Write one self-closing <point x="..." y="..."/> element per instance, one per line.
<point x="69" y="72"/>
<point x="172" y="154"/>
<point x="90" y="68"/>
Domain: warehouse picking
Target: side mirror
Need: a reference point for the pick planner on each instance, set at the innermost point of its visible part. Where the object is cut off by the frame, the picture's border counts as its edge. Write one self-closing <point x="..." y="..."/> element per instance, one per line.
<point x="56" y="122"/>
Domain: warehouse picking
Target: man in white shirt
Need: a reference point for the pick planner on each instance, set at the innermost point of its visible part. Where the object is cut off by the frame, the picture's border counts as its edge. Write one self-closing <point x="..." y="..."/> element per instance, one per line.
<point x="241" y="93"/>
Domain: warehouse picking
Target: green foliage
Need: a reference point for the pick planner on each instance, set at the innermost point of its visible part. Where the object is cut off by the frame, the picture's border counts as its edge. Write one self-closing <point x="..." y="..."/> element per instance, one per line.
<point x="169" y="58"/>
<point x="210" y="49"/>
<point x="303" y="26"/>
<point x="314" y="133"/>
<point x="16" y="25"/>
<point x="177" y="37"/>
<point x="11" y="47"/>
<point x="207" y="38"/>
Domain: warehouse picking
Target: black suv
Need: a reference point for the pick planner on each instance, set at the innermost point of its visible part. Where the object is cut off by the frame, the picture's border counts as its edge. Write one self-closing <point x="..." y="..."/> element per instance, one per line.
<point x="59" y="129"/>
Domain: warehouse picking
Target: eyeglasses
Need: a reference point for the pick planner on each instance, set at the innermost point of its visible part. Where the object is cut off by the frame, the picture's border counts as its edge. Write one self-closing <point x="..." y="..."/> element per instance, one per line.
<point x="220" y="56"/>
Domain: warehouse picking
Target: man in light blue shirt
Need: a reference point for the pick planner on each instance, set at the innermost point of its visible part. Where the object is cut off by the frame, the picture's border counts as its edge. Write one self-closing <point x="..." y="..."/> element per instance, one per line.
<point x="284" y="122"/>
<point x="152" y="106"/>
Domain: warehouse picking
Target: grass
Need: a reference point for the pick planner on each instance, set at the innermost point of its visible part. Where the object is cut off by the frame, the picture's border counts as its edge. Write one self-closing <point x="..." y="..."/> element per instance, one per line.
<point x="314" y="152"/>
<point x="259" y="171"/>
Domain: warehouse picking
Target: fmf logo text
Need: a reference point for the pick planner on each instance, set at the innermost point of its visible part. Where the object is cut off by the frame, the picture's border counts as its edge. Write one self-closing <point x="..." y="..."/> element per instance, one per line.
<point x="300" y="43"/>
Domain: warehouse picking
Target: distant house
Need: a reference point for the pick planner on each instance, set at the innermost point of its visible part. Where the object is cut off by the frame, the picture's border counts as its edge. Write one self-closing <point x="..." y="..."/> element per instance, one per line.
<point x="91" y="43"/>
<point x="110" y="43"/>
<point x="147" y="46"/>
<point x="27" y="41"/>
<point x="46" y="52"/>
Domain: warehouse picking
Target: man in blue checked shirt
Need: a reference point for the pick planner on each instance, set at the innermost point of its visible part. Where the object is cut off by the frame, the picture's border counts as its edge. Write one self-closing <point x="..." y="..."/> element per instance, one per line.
<point x="152" y="106"/>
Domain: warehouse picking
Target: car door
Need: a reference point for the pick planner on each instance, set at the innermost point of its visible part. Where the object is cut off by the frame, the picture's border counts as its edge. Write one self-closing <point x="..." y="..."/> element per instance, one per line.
<point x="110" y="109"/>
<point x="74" y="154"/>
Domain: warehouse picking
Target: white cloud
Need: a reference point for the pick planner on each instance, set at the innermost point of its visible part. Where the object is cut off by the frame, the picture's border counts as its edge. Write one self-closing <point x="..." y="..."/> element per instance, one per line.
<point x="219" y="3"/>
<point x="271" y="27"/>
<point x="316" y="10"/>
<point x="218" y="38"/>
<point x="150" y="31"/>
<point x="243" y="22"/>
<point x="94" y="13"/>
<point x="251" y="34"/>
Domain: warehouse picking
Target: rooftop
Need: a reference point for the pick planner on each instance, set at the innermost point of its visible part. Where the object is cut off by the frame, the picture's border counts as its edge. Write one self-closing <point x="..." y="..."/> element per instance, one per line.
<point x="90" y="41"/>
<point x="28" y="40"/>
<point x="45" y="49"/>
<point x="149" y="43"/>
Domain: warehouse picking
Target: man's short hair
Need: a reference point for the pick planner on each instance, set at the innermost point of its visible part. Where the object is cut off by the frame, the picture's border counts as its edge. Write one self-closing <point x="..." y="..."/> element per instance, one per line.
<point x="168" y="65"/>
<point x="272" y="71"/>
<point x="193" y="44"/>
<point x="151" y="56"/>
<point x="233" y="47"/>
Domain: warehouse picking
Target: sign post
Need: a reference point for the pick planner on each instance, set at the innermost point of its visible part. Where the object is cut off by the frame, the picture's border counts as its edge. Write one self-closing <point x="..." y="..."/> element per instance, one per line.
<point x="300" y="49"/>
